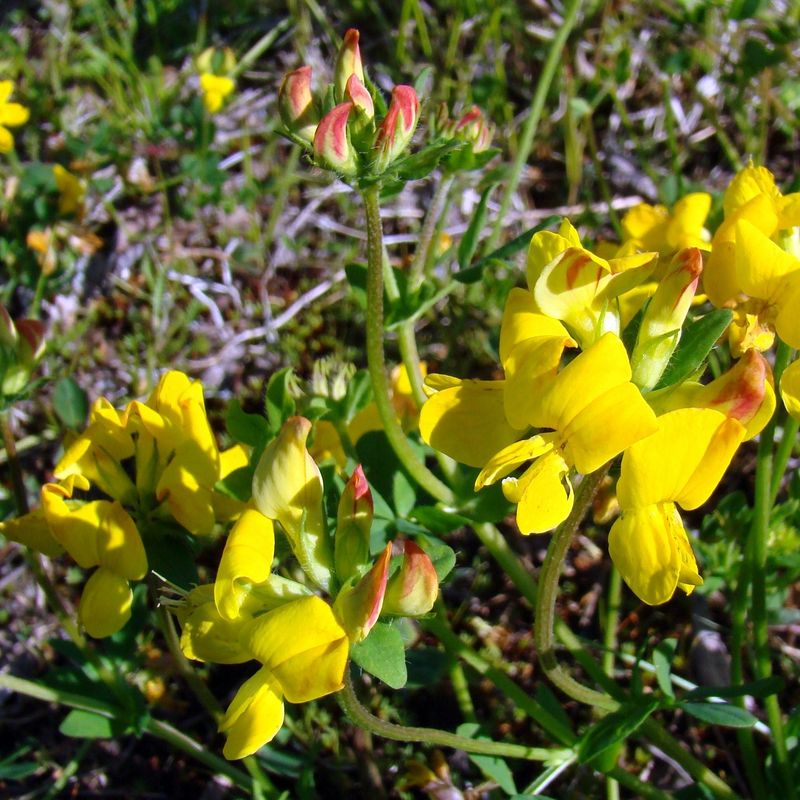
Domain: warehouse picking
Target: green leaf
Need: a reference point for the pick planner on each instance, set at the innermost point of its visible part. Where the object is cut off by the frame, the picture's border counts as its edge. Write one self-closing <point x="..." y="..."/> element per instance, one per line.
<point x="404" y="494"/>
<point x="383" y="655"/>
<point x="469" y="243"/>
<point x="696" y="342"/>
<point x="614" y="729"/>
<point x="279" y="403"/>
<point x="87" y="725"/>
<point x="473" y="274"/>
<point x="720" y="714"/>
<point x="425" y="161"/>
<point x="760" y="688"/>
<point x="492" y="767"/>
<point x="249" y="429"/>
<point x="170" y="555"/>
<point x="437" y="520"/>
<point x="70" y="403"/>
<point x="663" y="656"/>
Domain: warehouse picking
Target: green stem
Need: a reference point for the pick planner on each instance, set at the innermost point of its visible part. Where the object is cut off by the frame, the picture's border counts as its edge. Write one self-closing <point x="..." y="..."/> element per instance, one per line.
<point x="544" y="634"/>
<point x="611" y="620"/>
<point x="551" y="64"/>
<point x="154" y="727"/>
<point x="782" y="455"/>
<point x="362" y="717"/>
<point x="376" y="361"/>
<point x="759" y="534"/>
<point x="416" y="272"/>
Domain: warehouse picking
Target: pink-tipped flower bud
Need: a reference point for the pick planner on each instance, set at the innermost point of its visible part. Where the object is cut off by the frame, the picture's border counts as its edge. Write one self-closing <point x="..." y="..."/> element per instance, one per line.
<point x="348" y="62"/>
<point x="353" y="524"/>
<point x="473" y="128"/>
<point x="296" y="104"/>
<point x="745" y="392"/>
<point x="394" y="134"/>
<point x="362" y="120"/>
<point x="660" y="330"/>
<point x="332" y="146"/>
<point x="359" y="603"/>
<point x="412" y="590"/>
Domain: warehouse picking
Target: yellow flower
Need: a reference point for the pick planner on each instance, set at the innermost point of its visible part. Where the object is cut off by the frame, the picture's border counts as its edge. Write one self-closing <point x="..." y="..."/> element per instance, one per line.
<point x="71" y="191"/>
<point x="12" y="115"/>
<point x="303" y="651"/>
<point x="753" y="197"/>
<point x="589" y="413"/>
<point x="679" y="464"/>
<point x="656" y="228"/>
<point x="98" y="533"/>
<point x="572" y="284"/>
<point x="215" y="89"/>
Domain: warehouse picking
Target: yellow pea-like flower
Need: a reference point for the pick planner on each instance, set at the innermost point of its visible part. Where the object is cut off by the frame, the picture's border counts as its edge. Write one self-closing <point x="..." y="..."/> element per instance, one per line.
<point x="12" y="115"/>
<point x="790" y="389"/>
<point x="679" y="465"/>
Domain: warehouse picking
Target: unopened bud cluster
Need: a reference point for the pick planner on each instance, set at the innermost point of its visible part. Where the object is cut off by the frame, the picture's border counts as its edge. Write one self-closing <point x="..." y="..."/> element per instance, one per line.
<point x="339" y="126"/>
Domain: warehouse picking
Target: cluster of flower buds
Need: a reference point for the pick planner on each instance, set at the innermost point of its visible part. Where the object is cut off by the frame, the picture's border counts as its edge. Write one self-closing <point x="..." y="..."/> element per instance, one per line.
<point x="340" y="126"/>
<point x="471" y="127"/>
<point x="21" y="347"/>
<point x="216" y="69"/>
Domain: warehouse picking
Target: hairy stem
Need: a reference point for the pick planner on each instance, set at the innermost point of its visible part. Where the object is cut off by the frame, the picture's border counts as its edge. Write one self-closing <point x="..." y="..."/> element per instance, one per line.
<point x="376" y="363"/>
<point x="432" y="736"/>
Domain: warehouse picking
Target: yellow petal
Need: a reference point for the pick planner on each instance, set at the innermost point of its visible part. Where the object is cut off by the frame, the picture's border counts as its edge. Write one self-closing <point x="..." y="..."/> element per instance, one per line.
<point x="287" y="486"/>
<point x="206" y="636"/>
<point x="761" y="266"/>
<point x="688" y="217"/>
<point x="530" y="367"/>
<point x="232" y="459"/>
<point x="787" y="323"/>
<point x="254" y="716"/>
<point x="189" y="502"/>
<point x="303" y="643"/>
<point x="591" y="374"/>
<point x="652" y="552"/>
<point x="76" y="530"/>
<point x="720" y="279"/>
<point x="33" y="531"/>
<point x="366" y="420"/>
<point x="521" y="321"/>
<point x="608" y="425"/>
<point x="682" y="462"/>
<point x="247" y="558"/>
<point x="509" y="458"/>
<point x="647" y="225"/>
<point x="6" y="140"/>
<point x="747" y="184"/>
<point x="543" y="494"/>
<point x="544" y="247"/>
<point x="119" y="545"/>
<point x="13" y="114"/>
<point x="467" y="421"/>
<point x="105" y="603"/>
<point x="790" y="389"/>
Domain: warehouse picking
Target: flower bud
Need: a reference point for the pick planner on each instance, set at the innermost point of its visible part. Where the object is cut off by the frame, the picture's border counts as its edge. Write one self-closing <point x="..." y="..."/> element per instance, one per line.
<point x="296" y="104"/>
<point x="348" y="62"/>
<point x="30" y="347"/>
<point x="353" y="523"/>
<point x="359" y="603"/>
<point x="362" y="121"/>
<point x="287" y="486"/>
<point x="660" y="330"/>
<point x="473" y="128"/>
<point x="745" y="392"/>
<point x="332" y="146"/>
<point x="395" y="132"/>
<point x="412" y="590"/>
